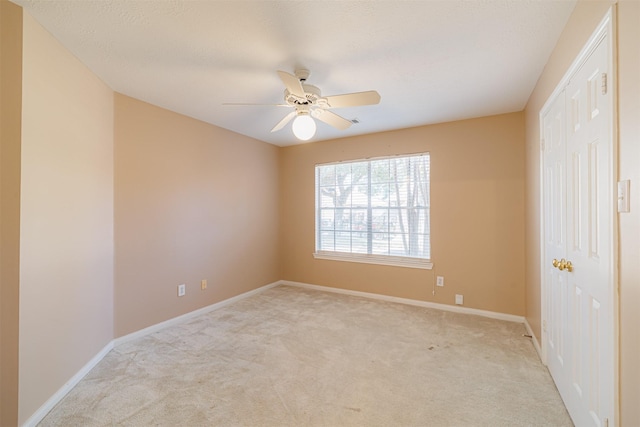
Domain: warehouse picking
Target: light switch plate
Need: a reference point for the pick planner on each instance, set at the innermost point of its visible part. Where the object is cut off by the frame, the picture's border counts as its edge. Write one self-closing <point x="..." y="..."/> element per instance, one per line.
<point x="623" y="195"/>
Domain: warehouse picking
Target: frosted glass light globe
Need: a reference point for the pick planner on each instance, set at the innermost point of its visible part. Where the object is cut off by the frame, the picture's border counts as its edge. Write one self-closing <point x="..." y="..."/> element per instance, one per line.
<point x="304" y="127"/>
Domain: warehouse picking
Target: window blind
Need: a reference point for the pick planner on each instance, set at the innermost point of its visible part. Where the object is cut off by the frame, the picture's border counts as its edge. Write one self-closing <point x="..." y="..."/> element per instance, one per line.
<point x="376" y="206"/>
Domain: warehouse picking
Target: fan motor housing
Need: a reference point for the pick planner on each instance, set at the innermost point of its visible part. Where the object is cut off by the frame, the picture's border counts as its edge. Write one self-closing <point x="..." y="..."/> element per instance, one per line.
<point x="312" y="95"/>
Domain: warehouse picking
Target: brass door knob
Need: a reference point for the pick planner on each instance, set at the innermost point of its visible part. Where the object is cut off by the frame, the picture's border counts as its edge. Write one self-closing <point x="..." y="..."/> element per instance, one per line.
<point x="569" y="266"/>
<point x="562" y="265"/>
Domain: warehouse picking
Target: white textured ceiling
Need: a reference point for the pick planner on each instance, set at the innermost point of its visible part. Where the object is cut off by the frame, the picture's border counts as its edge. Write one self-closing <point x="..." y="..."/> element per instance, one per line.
<point x="431" y="61"/>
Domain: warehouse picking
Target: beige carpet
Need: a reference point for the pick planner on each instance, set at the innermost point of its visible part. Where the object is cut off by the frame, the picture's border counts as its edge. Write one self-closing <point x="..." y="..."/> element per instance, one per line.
<point x="296" y="357"/>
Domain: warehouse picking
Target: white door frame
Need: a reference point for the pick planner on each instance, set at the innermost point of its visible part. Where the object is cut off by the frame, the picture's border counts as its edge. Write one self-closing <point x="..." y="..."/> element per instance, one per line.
<point x="607" y="27"/>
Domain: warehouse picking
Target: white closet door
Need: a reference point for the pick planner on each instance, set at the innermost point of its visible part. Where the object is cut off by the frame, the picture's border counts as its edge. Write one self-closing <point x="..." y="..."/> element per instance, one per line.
<point x="578" y="222"/>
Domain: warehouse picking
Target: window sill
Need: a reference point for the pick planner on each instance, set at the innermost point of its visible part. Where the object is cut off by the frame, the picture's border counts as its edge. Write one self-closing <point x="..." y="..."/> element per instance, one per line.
<point x="376" y="259"/>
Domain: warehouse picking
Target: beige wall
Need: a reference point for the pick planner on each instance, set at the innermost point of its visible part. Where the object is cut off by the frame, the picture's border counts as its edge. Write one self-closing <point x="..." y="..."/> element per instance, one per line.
<point x="66" y="229"/>
<point x="477" y="213"/>
<point x="10" y="125"/>
<point x="582" y="23"/>
<point x="193" y="202"/>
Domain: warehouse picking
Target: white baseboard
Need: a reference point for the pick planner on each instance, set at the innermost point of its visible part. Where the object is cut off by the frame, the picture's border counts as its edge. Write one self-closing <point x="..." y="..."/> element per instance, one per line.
<point x="536" y="345"/>
<point x="62" y="392"/>
<point x="66" y="388"/>
<point x="427" y="304"/>
<point x="188" y="316"/>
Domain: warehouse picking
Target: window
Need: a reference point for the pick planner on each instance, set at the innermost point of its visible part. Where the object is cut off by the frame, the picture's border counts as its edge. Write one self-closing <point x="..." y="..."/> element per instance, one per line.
<point x="374" y="211"/>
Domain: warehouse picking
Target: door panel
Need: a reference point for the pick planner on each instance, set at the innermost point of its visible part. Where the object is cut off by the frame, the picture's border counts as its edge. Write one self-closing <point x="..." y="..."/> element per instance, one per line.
<point x="554" y="187"/>
<point x="590" y="142"/>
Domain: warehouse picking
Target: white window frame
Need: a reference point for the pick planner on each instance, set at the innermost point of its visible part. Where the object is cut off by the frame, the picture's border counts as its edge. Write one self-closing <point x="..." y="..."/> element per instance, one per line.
<point x="380" y="259"/>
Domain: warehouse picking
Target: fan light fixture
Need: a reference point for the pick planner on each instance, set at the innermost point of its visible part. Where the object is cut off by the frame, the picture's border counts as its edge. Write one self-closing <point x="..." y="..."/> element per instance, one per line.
<point x="304" y="127"/>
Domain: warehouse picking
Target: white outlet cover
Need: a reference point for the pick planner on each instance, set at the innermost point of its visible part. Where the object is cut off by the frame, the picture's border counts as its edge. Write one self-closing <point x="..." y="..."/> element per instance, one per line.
<point x="182" y="289"/>
<point x="440" y="281"/>
<point x="459" y="299"/>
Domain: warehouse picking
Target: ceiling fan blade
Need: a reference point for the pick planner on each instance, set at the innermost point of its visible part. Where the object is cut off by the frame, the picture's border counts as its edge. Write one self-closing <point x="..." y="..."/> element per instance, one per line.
<point x="292" y="83"/>
<point x="370" y="97"/>
<point x="284" y="121"/>
<point x="265" y="105"/>
<point x="331" y="119"/>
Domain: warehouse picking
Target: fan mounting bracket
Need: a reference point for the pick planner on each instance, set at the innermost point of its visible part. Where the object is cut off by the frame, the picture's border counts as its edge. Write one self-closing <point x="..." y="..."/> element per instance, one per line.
<point x="302" y="74"/>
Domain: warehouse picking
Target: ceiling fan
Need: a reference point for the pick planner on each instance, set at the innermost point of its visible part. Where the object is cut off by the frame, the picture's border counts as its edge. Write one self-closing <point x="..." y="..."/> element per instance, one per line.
<point x="309" y="104"/>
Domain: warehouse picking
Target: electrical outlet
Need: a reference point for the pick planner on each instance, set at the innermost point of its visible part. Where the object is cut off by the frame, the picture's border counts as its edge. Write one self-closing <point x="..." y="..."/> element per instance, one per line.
<point x="459" y="299"/>
<point x="182" y="289"/>
<point x="203" y="284"/>
<point x="440" y="281"/>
